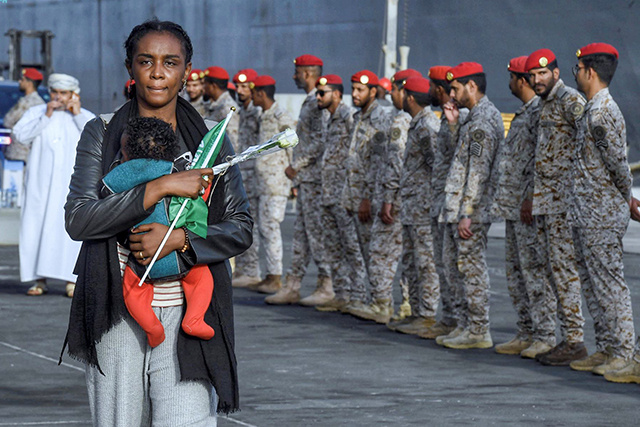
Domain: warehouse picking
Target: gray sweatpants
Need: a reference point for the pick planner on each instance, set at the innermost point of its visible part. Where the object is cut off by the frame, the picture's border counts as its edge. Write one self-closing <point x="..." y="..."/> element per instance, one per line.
<point x="141" y="385"/>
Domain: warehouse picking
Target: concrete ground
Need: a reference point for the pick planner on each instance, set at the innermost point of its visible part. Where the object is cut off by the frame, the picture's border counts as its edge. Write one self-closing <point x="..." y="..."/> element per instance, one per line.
<point x="300" y="367"/>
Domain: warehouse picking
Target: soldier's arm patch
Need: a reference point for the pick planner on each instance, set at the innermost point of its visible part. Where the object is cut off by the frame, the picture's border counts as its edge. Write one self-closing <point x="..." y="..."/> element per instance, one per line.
<point x="379" y="137"/>
<point x="395" y="133"/>
<point x="475" y="148"/>
<point x="478" y="135"/>
<point x="576" y="109"/>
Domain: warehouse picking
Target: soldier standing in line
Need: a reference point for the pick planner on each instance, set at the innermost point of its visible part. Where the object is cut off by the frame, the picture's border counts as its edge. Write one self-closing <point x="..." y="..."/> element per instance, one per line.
<point x="247" y="271"/>
<point x="417" y="263"/>
<point x="529" y="293"/>
<point x="272" y="184"/>
<point x="220" y="102"/>
<point x="450" y="282"/>
<point x="371" y="128"/>
<point x="304" y="170"/>
<point x="560" y="108"/>
<point x="469" y="194"/>
<point x="384" y="87"/>
<point x="600" y="167"/>
<point x="195" y="91"/>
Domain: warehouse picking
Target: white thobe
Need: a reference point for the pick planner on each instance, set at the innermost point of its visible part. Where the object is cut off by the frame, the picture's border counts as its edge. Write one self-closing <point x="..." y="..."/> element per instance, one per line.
<point x="46" y="250"/>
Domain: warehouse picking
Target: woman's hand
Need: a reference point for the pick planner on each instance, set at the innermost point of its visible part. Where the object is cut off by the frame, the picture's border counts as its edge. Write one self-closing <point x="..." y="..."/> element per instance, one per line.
<point x="145" y="240"/>
<point x="192" y="184"/>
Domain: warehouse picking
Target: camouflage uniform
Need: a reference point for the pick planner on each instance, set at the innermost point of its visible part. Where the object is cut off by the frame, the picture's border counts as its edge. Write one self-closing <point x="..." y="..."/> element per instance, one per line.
<point x="19" y="151"/>
<point x="552" y="184"/>
<point x="308" y="235"/>
<point x="530" y="294"/>
<point x="600" y="168"/>
<point x="385" y="247"/>
<point x="370" y="130"/>
<point x="469" y="192"/>
<point x="348" y="270"/>
<point x="219" y="109"/>
<point x="450" y="282"/>
<point x="417" y="261"/>
<point x="248" y="263"/>
<point x="273" y="187"/>
<point x="201" y="106"/>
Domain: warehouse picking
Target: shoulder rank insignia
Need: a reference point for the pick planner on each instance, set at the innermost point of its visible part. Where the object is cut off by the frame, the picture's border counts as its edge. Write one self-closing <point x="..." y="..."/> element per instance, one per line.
<point x="395" y="133"/>
<point x="477" y="135"/>
<point x="598" y="133"/>
<point x="475" y="148"/>
<point x="576" y="109"/>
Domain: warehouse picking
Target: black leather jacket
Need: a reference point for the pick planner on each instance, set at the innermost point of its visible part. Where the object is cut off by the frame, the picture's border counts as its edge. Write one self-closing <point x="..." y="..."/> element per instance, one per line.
<point x="90" y="217"/>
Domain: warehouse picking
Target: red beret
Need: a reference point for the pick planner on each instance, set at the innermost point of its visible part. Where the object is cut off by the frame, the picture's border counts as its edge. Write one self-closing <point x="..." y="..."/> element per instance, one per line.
<point x="365" y="77"/>
<point x="405" y="74"/>
<point x="385" y="83"/>
<point x="231" y="86"/>
<point x="417" y="84"/>
<point x="217" y="73"/>
<point x="329" y="79"/>
<point x="438" y="72"/>
<point x="517" y="65"/>
<point x="464" y="69"/>
<point x="262" y="81"/>
<point x="594" y="48"/>
<point x="33" y="74"/>
<point x="307" y="60"/>
<point x="195" y="75"/>
<point x="539" y="59"/>
<point x="245" y="75"/>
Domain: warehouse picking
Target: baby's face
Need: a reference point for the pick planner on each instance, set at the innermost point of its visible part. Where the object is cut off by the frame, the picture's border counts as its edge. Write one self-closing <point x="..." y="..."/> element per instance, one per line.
<point x="123" y="146"/>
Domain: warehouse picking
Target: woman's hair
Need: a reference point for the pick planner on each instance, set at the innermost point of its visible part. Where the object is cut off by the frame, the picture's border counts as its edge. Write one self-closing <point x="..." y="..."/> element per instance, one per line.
<point x="154" y="25"/>
<point x="150" y="138"/>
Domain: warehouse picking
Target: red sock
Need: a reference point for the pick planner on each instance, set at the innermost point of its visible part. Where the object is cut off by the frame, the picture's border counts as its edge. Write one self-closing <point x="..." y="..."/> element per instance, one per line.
<point x="138" y="300"/>
<point x="198" y="289"/>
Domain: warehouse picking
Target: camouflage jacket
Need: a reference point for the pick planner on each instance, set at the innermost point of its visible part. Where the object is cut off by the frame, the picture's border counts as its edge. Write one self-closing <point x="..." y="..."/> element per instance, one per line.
<point x="367" y="145"/>
<point x="270" y="177"/>
<point x="310" y="130"/>
<point x="415" y="181"/>
<point x="515" y="159"/>
<point x="200" y="106"/>
<point x="334" y="159"/>
<point x="554" y="149"/>
<point x="218" y="111"/>
<point x="444" y="150"/>
<point x="18" y="151"/>
<point x="469" y="189"/>
<point x="248" y="134"/>
<point x="388" y="184"/>
<point x="601" y="176"/>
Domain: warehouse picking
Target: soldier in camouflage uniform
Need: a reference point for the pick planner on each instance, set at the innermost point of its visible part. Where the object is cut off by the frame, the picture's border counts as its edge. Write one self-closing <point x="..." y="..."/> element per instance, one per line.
<point x="195" y="91"/>
<point x="600" y="167"/>
<point x="28" y="83"/>
<point x="308" y="235"/>
<point x="247" y="270"/>
<point x="417" y="261"/>
<point x="560" y="108"/>
<point x="450" y="282"/>
<point x="216" y="80"/>
<point x="529" y="293"/>
<point x="272" y="184"/>
<point x="368" y="139"/>
<point x="469" y="193"/>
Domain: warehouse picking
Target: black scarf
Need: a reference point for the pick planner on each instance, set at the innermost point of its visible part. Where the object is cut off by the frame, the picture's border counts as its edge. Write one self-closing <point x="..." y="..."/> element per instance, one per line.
<point x="98" y="303"/>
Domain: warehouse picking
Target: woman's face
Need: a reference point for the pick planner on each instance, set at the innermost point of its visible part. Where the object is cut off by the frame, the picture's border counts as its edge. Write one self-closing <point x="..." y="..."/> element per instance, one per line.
<point x="158" y="67"/>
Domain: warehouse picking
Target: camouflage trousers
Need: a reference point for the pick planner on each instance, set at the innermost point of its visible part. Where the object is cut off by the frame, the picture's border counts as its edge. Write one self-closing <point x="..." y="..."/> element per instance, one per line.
<point x="556" y="246"/>
<point x="448" y="291"/>
<point x="308" y="234"/>
<point x="271" y="211"/>
<point x="599" y="256"/>
<point x="530" y="293"/>
<point x="385" y="249"/>
<point x="248" y="263"/>
<point x="473" y="275"/>
<point x="348" y="270"/>
<point x="419" y="269"/>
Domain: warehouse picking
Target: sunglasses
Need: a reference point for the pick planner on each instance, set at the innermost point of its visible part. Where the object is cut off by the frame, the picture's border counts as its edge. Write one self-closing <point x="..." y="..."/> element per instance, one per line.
<point x="322" y="93"/>
<point x="576" y="69"/>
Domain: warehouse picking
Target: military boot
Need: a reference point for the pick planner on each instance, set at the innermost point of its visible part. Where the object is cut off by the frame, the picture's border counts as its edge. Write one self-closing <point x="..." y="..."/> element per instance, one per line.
<point x="588" y="363"/>
<point x="270" y="285"/>
<point x="360" y="310"/>
<point x="515" y="346"/>
<point x="335" y="304"/>
<point x="403" y="312"/>
<point x="467" y="340"/>
<point x="629" y="374"/>
<point x="457" y="331"/>
<point x="563" y="354"/>
<point x="383" y="309"/>
<point x="613" y="363"/>
<point x="323" y="293"/>
<point x="538" y="347"/>
<point x="437" y="330"/>
<point x="243" y="281"/>
<point x="420" y="324"/>
<point x="396" y="321"/>
<point x="288" y="294"/>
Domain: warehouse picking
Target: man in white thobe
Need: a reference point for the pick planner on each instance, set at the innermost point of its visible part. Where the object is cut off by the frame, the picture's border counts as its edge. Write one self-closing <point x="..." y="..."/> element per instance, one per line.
<point x="53" y="131"/>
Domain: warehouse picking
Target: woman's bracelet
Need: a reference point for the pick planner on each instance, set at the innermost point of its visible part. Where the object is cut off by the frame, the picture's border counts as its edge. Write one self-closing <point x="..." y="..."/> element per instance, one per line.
<point x="186" y="240"/>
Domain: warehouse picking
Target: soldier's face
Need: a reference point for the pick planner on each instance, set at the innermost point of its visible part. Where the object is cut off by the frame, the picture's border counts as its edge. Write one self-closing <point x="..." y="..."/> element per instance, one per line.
<point x="298" y="78"/>
<point x="397" y="96"/>
<point x="361" y="95"/>
<point x="195" y="89"/>
<point x="244" y="92"/>
<point x="513" y="84"/>
<point x="324" y="97"/>
<point x="543" y="80"/>
<point x="581" y="76"/>
<point x="460" y="94"/>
